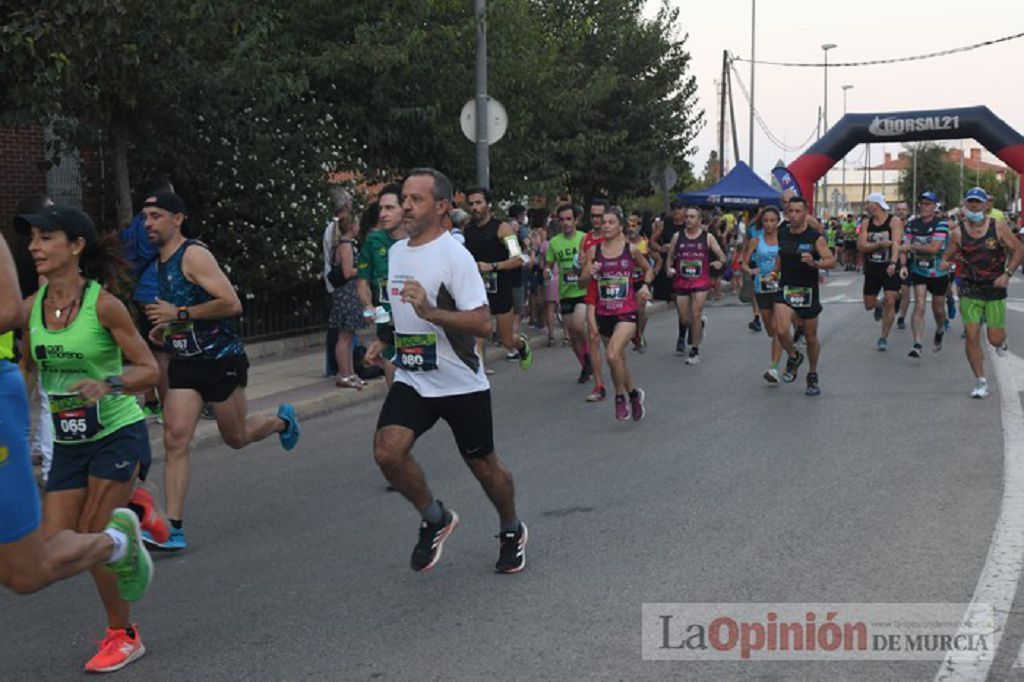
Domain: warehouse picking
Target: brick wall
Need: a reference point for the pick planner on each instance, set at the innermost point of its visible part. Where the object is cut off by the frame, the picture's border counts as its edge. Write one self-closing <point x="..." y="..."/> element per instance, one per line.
<point x="22" y="169"/>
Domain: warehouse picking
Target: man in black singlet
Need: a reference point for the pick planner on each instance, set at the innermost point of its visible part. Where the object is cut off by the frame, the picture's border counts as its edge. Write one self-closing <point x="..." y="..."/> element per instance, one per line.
<point x="881" y="235"/>
<point x="803" y="251"/>
<point x="496" y="249"/>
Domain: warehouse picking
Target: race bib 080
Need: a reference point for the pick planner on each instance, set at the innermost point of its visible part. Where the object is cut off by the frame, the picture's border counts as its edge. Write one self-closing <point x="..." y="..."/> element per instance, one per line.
<point x="416" y="352"/>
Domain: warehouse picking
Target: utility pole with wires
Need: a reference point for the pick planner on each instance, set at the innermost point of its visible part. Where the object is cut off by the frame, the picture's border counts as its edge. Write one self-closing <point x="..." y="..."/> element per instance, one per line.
<point x="721" y="116"/>
<point x="732" y="119"/>
<point x="753" y="57"/>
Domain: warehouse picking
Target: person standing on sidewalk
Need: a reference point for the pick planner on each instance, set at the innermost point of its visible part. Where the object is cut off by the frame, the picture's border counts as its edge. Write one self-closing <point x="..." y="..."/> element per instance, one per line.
<point x="341" y="206"/>
<point x="208" y="362"/>
<point x="373" y="271"/>
<point x="439" y="304"/>
<point x="346" y="312"/>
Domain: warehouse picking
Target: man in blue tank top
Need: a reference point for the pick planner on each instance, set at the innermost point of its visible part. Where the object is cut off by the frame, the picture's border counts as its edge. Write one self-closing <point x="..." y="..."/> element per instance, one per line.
<point x="193" y="318"/>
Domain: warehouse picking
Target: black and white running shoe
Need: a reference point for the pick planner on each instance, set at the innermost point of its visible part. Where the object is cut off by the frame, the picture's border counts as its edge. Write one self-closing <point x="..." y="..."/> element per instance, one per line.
<point x="427" y="551"/>
<point x="512" y="553"/>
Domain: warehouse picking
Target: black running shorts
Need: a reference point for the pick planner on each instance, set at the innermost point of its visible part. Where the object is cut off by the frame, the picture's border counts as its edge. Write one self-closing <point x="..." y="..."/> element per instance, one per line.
<point x="214" y="380"/>
<point x="468" y="416"/>
<point x="877" y="278"/>
<point x="936" y="285"/>
<point x="568" y="305"/>
<point x="606" y="323"/>
<point x="501" y="301"/>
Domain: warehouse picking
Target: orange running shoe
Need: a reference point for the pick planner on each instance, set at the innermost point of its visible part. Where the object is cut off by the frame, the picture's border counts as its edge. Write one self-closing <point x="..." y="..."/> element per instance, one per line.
<point x="116" y="651"/>
<point x="152" y="522"/>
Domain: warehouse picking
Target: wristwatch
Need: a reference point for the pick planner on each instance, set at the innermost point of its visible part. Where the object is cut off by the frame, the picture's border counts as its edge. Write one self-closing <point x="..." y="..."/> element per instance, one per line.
<point x="183" y="314"/>
<point x="116" y="384"/>
<point x="494" y="267"/>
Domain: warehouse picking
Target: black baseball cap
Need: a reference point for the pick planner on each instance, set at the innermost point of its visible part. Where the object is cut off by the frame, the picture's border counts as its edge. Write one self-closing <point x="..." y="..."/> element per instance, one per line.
<point x="677" y="203"/>
<point x="167" y="200"/>
<point x="71" y="221"/>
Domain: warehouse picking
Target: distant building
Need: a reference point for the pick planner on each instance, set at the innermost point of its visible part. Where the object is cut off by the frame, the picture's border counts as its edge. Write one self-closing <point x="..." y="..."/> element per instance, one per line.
<point x="885" y="177"/>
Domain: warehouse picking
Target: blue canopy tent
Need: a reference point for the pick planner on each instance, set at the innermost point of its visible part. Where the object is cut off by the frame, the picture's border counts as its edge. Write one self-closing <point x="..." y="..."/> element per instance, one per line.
<point x="740" y="189"/>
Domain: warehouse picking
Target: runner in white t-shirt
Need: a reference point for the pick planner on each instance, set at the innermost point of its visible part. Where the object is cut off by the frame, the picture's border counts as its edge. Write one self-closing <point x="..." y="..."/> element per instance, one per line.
<point x="439" y="307"/>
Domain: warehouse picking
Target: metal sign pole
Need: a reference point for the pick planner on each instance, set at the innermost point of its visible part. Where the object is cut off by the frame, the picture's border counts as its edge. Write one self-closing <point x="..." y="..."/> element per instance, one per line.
<point x="483" y="156"/>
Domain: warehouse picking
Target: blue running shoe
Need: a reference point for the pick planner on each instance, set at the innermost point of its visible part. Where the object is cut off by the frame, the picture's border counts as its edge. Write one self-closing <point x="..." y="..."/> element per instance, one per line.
<point x="290" y="435"/>
<point x="175" y="543"/>
<point x="882" y="344"/>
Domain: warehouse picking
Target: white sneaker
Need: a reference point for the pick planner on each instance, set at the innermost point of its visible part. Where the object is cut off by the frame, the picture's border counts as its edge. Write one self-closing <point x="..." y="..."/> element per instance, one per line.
<point x="1001" y="350"/>
<point x="980" y="390"/>
<point x="771" y="375"/>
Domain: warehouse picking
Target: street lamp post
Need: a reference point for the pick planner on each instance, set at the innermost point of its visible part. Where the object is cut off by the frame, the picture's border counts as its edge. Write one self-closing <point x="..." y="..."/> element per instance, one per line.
<point x="824" y="125"/>
<point x="753" y="45"/>
<point x="845" y="200"/>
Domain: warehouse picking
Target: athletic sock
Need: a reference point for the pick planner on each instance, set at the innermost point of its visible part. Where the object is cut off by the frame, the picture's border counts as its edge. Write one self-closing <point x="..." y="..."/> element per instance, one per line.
<point x="634" y="394"/>
<point x="511" y="527"/>
<point x="130" y="631"/>
<point x="120" y="541"/>
<point x="176" y="523"/>
<point x="432" y="513"/>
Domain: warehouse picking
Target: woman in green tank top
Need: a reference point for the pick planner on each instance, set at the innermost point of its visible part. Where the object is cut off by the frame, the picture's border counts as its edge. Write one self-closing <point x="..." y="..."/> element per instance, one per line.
<point x="78" y="334"/>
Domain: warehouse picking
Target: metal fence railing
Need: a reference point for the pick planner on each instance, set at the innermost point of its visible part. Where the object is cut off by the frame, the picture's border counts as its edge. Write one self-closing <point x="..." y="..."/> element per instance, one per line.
<point x="301" y="310"/>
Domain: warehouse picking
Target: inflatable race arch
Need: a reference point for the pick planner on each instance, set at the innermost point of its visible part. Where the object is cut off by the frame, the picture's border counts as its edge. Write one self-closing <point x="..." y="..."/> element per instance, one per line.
<point x="903" y="126"/>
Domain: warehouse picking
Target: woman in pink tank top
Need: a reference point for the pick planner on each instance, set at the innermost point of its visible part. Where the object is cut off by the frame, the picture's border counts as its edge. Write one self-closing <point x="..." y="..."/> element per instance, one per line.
<point x="612" y="264"/>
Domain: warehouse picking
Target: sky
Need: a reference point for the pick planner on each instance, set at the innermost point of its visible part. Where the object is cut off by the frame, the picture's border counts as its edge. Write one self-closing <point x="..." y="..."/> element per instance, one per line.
<point x="794" y="30"/>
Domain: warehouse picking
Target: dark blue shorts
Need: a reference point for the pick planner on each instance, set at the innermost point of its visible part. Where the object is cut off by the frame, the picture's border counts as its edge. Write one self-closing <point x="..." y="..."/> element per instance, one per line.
<point x="112" y="458"/>
<point x="19" y="497"/>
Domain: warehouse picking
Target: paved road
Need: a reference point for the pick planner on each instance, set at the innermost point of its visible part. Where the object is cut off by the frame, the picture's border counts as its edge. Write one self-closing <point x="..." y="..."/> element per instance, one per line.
<point x="884" y="489"/>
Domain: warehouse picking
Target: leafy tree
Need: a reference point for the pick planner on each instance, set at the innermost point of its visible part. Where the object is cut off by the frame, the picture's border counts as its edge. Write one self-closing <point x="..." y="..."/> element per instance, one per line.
<point x="251" y="106"/>
<point x="123" y="73"/>
<point x="711" y="170"/>
<point x="935" y="172"/>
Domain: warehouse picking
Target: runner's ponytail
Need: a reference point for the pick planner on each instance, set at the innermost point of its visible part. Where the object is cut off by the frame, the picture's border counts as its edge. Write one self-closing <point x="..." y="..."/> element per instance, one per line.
<point x="102" y="261"/>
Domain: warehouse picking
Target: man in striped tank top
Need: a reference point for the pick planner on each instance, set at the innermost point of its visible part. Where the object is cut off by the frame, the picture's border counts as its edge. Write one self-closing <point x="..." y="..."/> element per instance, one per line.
<point x="983" y="245"/>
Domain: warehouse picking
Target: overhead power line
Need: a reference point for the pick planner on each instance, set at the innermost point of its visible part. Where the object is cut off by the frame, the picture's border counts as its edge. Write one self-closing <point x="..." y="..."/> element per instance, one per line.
<point x="774" y="139"/>
<point x="894" y="60"/>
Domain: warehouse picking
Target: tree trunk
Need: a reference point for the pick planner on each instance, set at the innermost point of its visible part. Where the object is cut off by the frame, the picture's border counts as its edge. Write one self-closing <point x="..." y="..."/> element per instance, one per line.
<point x="122" y="185"/>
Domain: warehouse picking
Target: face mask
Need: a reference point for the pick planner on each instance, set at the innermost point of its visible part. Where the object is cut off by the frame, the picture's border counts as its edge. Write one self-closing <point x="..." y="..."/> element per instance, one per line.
<point x="975" y="216"/>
